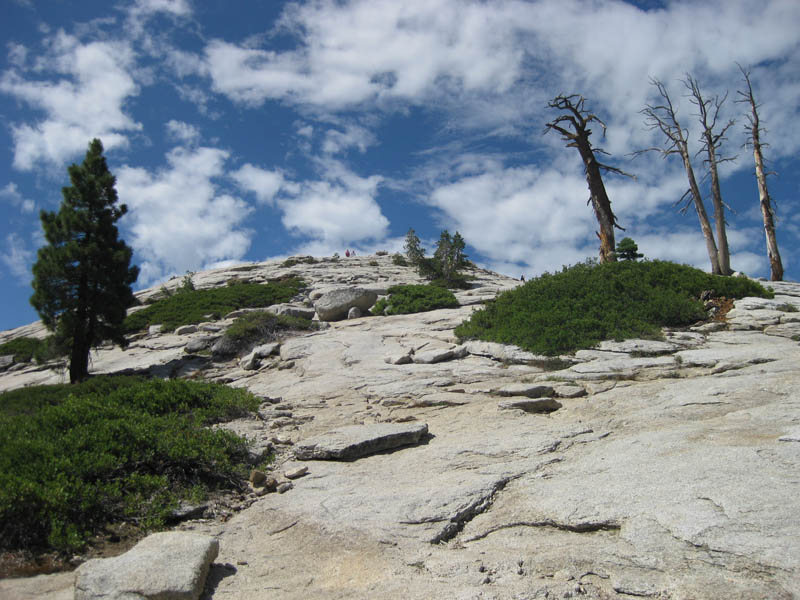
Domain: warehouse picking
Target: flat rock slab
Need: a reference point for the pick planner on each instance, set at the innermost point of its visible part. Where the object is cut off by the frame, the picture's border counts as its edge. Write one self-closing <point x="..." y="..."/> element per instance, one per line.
<point x="348" y="443"/>
<point x="163" y="566"/>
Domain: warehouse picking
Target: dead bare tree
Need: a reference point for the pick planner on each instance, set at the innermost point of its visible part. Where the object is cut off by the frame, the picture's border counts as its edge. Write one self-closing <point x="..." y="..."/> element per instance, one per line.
<point x="711" y="141"/>
<point x="767" y="207"/>
<point x="578" y="118"/>
<point x="662" y="117"/>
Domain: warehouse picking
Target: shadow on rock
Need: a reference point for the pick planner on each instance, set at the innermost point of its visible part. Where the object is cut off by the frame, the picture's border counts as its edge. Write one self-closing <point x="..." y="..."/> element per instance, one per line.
<point x="216" y="574"/>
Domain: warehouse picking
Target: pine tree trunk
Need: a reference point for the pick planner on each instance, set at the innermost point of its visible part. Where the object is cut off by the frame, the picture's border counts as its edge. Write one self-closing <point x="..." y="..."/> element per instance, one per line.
<point x="81" y="342"/>
<point x="723" y="253"/>
<point x="775" y="264"/>
<point x="697" y="200"/>
<point x="600" y="203"/>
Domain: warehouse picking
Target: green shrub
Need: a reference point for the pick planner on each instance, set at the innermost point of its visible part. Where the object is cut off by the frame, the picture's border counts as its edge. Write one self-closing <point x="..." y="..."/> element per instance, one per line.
<point x="194" y="306"/>
<point x="297" y="260"/>
<point x="26" y="349"/>
<point x="75" y="458"/>
<point x="588" y="303"/>
<point x="399" y="260"/>
<point x="259" y="327"/>
<point x="406" y="299"/>
<point x="373" y="263"/>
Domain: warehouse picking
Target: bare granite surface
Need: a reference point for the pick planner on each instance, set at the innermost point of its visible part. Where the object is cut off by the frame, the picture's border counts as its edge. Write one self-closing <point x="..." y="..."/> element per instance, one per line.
<point x="663" y="470"/>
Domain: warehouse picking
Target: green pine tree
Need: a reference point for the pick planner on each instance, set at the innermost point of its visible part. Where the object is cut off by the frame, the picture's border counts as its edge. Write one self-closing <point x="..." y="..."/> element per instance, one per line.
<point x="627" y="249"/>
<point x="443" y="256"/>
<point x="82" y="277"/>
<point x="414" y="251"/>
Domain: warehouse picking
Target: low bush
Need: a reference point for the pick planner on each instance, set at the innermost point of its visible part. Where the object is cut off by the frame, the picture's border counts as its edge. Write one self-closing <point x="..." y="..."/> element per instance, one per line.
<point x="74" y="458"/>
<point x="194" y="306"/>
<point x="259" y="327"/>
<point x="297" y="260"/>
<point x="406" y="299"/>
<point x="588" y="303"/>
<point x="399" y="260"/>
<point x="27" y="349"/>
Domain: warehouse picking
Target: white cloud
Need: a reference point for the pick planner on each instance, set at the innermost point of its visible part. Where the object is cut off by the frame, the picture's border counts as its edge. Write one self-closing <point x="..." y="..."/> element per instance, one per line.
<point x="179" y="219"/>
<point x="174" y="7"/>
<point x="374" y="50"/>
<point x="353" y="136"/>
<point x="337" y="211"/>
<point x="18" y="258"/>
<point x="11" y="193"/>
<point x="182" y="132"/>
<point x="17" y="54"/>
<point x="520" y="215"/>
<point x="264" y="184"/>
<point x="85" y="100"/>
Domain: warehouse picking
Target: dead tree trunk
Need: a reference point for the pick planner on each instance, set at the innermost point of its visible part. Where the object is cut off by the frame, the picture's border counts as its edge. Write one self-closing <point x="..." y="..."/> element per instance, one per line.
<point x="767" y="208"/>
<point x="579" y="118"/>
<point x="663" y="118"/>
<point x="711" y="143"/>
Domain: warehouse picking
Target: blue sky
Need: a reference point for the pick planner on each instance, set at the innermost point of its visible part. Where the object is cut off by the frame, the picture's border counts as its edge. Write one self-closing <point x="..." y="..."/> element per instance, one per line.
<point x="242" y="130"/>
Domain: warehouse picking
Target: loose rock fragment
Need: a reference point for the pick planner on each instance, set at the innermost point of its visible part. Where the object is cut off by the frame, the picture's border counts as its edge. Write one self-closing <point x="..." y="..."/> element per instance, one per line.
<point x="535" y="405"/>
<point x="296" y="473"/>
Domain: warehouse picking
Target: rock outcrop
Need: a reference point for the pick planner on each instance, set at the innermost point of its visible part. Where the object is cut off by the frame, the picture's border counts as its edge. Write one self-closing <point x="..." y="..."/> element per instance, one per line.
<point x="633" y="469"/>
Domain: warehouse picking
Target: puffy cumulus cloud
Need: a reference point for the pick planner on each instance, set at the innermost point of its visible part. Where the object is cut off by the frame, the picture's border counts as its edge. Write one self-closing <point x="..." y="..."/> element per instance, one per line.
<point x="337" y="211"/>
<point x="182" y="132"/>
<point x="261" y="182"/>
<point x="12" y="194"/>
<point x="179" y="219"/>
<point x="84" y="99"/>
<point x="17" y="258"/>
<point x="353" y="136"/>
<point x="522" y="216"/>
<point x="358" y="51"/>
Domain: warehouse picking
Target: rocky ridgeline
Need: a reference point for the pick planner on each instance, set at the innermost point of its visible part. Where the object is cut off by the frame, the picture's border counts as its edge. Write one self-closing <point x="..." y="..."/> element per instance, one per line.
<point x="412" y="466"/>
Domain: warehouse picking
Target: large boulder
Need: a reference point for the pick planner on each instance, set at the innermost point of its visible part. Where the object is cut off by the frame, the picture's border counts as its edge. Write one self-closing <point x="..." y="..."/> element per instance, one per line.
<point x="170" y="565"/>
<point x="164" y="566"/>
<point x="334" y="305"/>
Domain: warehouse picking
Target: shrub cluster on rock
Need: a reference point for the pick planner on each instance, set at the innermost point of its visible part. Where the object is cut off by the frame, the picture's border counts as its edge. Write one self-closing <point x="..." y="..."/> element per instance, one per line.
<point x="195" y="306"/>
<point x="406" y="299"/>
<point x="258" y="327"/>
<point x="588" y="303"/>
<point x="27" y="349"/>
<point x="75" y="458"/>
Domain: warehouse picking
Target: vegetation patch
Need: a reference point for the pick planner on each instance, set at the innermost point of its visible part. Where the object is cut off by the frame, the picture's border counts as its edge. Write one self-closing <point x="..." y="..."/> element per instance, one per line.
<point x="76" y="458"/>
<point x="189" y="306"/>
<point x="297" y="260"/>
<point x="399" y="260"/>
<point x="406" y="299"/>
<point x="259" y="327"/>
<point x="27" y="349"/>
<point x="588" y="303"/>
